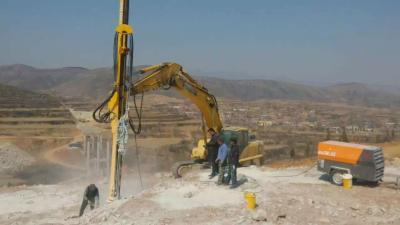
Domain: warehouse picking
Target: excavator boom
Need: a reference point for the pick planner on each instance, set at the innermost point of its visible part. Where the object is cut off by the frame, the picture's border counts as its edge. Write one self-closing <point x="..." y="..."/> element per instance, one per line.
<point x="168" y="75"/>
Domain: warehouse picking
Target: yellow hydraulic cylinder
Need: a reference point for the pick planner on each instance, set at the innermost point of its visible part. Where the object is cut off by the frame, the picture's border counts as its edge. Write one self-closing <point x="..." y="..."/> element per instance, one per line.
<point x="251" y="158"/>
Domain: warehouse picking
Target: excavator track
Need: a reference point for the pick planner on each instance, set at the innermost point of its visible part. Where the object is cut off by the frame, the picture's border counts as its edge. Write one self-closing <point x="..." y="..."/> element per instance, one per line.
<point x="178" y="167"/>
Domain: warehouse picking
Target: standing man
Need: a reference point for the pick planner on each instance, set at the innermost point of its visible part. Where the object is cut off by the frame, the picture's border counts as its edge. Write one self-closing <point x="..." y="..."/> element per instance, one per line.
<point x="212" y="149"/>
<point x="233" y="161"/>
<point x="222" y="159"/>
<point x="90" y="196"/>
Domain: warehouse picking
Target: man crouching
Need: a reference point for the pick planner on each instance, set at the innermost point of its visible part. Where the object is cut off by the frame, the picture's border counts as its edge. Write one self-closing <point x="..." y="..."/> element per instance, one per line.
<point x="90" y="196"/>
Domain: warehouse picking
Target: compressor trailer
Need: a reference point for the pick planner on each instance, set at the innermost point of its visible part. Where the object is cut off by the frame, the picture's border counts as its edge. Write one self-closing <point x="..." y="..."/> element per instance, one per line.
<point x="361" y="161"/>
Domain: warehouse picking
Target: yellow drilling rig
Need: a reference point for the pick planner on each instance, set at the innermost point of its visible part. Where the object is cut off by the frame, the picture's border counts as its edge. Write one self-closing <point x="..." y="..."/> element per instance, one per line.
<point x="114" y="109"/>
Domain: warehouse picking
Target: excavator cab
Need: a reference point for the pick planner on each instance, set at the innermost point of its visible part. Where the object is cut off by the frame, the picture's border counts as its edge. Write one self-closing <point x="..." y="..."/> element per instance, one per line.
<point x="240" y="133"/>
<point x="249" y="148"/>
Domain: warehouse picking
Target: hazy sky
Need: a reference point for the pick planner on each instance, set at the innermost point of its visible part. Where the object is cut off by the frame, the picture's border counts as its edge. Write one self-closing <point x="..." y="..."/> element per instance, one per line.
<point x="307" y="40"/>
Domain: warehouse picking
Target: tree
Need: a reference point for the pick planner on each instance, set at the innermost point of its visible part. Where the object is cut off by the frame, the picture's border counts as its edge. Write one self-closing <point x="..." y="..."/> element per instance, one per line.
<point x="378" y="138"/>
<point x="309" y="148"/>
<point x="387" y="136"/>
<point x="328" y="134"/>
<point x="292" y="151"/>
<point x="343" y="136"/>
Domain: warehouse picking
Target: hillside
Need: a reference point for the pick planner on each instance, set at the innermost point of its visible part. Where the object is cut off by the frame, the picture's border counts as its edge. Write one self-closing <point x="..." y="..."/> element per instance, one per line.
<point x="361" y="94"/>
<point x="26" y="113"/>
<point x="12" y="97"/>
<point x="94" y="84"/>
<point x="262" y="89"/>
<point x="30" y="78"/>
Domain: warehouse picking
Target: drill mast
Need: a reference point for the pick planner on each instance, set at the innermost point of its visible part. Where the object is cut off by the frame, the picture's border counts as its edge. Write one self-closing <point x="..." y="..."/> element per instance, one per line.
<point x="118" y="102"/>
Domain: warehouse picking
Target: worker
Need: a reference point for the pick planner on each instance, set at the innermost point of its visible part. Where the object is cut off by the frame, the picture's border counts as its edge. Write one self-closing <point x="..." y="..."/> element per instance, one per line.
<point x="212" y="149"/>
<point x="90" y="196"/>
<point x="233" y="162"/>
<point x="222" y="159"/>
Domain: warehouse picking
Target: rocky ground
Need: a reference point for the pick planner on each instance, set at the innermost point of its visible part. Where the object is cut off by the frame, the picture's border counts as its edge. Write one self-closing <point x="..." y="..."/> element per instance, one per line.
<point x="284" y="196"/>
<point x="13" y="159"/>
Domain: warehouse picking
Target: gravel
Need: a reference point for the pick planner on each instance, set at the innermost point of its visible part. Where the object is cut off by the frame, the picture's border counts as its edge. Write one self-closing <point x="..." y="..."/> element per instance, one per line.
<point x="13" y="159"/>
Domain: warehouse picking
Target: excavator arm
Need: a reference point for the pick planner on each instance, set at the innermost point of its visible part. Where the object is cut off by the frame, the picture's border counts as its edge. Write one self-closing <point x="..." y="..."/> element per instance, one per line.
<point x="168" y="75"/>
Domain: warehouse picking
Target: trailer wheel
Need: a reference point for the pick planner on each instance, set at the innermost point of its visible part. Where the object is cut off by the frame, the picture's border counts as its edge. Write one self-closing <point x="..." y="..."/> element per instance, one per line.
<point x="336" y="177"/>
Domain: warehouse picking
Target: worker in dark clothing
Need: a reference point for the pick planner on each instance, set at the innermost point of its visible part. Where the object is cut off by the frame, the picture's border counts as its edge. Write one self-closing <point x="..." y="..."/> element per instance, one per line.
<point x="233" y="161"/>
<point x="212" y="149"/>
<point x="90" y="196"/>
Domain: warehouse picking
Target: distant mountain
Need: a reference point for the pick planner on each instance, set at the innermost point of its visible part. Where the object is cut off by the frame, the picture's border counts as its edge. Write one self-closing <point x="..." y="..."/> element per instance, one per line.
<point x="34" y="79"/>
<point x="362" y="94"/>
<point x="387" y="88"/>
<point x="12" y="97"/>
<point x="349" y="93"/>
<point x="261" y="89"/>
<point x="95" y="84"/>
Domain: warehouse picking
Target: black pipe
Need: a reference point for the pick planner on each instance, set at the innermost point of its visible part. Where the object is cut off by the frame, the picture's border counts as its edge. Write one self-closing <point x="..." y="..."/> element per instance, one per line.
<point x="125" y="14"/>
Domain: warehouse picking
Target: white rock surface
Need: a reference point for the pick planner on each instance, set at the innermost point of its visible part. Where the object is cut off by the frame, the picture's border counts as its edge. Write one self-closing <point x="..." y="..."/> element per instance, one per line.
<point x="13" y="159"/>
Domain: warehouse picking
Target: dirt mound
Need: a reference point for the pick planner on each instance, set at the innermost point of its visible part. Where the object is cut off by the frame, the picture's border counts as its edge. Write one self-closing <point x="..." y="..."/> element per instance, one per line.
<point x="13" y="159"/>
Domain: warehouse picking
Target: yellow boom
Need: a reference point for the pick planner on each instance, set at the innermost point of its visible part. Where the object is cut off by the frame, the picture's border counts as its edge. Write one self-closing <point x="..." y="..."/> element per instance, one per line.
<point x="168" y="75"/>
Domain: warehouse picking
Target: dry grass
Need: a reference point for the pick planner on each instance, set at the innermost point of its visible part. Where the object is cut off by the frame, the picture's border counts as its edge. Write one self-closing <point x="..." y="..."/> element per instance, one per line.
<point x="391" y="149"/>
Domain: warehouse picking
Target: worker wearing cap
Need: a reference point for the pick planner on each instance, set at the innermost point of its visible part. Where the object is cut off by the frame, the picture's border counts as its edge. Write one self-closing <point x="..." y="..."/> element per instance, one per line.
<point x="233" y="161"/>
<point x="90" y="196"/>
<point x="212" y="149"/>
<point x="222" y="159"/>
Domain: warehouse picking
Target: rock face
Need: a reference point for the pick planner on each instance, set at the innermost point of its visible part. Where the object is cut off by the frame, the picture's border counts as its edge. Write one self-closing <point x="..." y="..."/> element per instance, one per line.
<point x="13" y="159"/>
